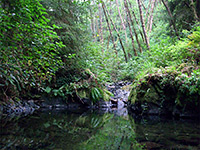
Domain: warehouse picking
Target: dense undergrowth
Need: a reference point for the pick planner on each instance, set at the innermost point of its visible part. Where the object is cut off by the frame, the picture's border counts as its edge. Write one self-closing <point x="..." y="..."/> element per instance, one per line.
<point x="29" y="55"/>
<point x="47" y="49"/>
<point x="171" y="77"/>
<point x="44" y="52"/>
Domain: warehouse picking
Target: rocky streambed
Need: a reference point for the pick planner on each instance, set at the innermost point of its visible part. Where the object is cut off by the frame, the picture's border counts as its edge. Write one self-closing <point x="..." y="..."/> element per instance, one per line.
<point x="118" y="102"/>
<point x="147" y="102"/>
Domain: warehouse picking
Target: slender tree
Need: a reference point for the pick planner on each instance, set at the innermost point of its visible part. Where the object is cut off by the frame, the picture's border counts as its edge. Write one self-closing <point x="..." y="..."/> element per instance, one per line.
<point x="172" y="18"/>
<point x="129" y="25"/>
<point x="122" y="20"/>
<point x="150" y="19"/>
<point x="120" y="40"/>
<point x="143" y="25"/>
<point x="101" y="27"/>
<point x="109" y="28"/>
<point x="132" y="23"/>
<point x="194" y="10"/>
<point x="136" y="20"/>
<point x="147" y="10"/>
<point x="92" y="25"/>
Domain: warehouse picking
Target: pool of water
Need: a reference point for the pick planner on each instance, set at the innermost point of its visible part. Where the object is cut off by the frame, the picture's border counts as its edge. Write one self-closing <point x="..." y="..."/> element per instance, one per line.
<point x="91" y="130"/>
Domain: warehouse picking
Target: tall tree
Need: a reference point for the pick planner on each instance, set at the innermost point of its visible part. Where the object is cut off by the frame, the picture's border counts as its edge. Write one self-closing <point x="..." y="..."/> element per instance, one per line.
<point x="147" y="10"/>
<point x="101" y="27"/>
<point x="143" y="25"/>
<point x="120" y="40"/>
<point x="150" y="19"/>
<point x="136" y="20"/>
<point x="194" y="10"/>
<point x="132" y="23"/>
<point x="92" y="25"/>
<point x="129" y="25"/>
<point x="122" y="20"/>
<point x="109" y="28"/>
<point x="171" y="18"/>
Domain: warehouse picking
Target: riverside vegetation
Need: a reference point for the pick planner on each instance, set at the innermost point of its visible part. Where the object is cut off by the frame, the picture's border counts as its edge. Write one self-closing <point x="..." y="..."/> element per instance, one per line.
<point x="80" y="53"/>
<point x="71" y="49"/>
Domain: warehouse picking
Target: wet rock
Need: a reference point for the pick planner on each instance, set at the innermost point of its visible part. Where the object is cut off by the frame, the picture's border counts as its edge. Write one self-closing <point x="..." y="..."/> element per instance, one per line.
<point x="120" y="104"/>
<point x="104" y="104"/>
<point x="19" y="108"/>
<point x="113" y="101"/>
<point x="121" y="92"/>
<point x="31" y="103"/>
<point x="122" y="112"/>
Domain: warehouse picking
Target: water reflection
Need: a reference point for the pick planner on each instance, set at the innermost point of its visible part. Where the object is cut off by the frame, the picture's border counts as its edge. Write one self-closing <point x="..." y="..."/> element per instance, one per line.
<point x="91" y="130"/>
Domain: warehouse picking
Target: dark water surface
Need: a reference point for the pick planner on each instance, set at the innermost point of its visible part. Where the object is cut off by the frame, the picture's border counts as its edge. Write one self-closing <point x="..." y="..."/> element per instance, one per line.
<point x="80" y="130"/>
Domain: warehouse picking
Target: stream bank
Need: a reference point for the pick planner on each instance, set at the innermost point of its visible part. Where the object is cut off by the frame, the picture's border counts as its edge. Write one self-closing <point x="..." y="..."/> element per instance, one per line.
<point x="146" y="99"/>
<point x="170" y="91"/>
<point x="117" y="103"/>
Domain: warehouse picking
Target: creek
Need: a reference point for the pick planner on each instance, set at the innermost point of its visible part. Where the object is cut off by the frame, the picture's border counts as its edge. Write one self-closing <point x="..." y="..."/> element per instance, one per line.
<point x="96" y="130"/>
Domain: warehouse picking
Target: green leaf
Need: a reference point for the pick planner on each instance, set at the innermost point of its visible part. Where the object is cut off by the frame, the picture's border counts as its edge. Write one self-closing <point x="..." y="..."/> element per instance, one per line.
<point x="46" y="125"/>
<point x="48" y="89"/>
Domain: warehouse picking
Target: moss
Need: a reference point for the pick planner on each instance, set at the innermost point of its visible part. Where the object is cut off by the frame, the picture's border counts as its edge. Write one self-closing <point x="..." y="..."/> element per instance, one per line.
<point x="147" y="93"/>
<point x="133" y="96"/>
<point x="169" y="89"/>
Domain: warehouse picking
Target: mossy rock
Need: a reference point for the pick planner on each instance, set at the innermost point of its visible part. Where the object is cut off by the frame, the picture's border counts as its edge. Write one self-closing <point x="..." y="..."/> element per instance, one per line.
<point x="146" y="93"/>
<point x="163" y="91"/>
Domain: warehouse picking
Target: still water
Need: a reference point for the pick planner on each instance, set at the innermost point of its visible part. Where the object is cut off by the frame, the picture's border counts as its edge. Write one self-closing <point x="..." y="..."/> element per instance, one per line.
<point x="91" y="130"/>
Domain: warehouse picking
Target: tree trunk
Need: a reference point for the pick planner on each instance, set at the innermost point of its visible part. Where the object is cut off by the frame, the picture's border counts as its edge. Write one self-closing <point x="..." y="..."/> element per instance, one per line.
<point x="92" y="26"/>
<point x="150" y="17"/>
<point x="106" y="11"/>
<point x="129" y="25"/>
<point x="147" y="10"/>
<point x="108" y="24"/>
<point x="100" y="28"/>
<point x="172" y="18"/>
<point x="150" y="20"/>
<point x="198" y="8"/>
<point x="132" y="23"/>
<point x="194" y="10"/>
<point x="122" y="21"/>
<point x="137" y="22"/>
<point x="143" y="25"/>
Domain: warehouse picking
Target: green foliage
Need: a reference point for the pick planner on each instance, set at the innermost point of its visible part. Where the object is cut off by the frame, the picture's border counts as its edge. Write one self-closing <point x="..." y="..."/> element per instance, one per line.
<point x="95" y="94"/>
<point x="170" y="87"/>
<point x="46" y="47"/>
<point x="71" y="21"/>
<point x="88" y="87"/>
<point x="29" y="47"/>
<point x="183" y="13"/>
<point x="170" y="75"/>
<point x="101" y="61"/>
